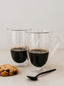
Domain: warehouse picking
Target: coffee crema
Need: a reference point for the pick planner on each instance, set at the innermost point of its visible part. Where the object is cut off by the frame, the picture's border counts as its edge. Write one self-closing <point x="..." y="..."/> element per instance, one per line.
<point x="38" y="57"/>
<point x="19" y="54"/>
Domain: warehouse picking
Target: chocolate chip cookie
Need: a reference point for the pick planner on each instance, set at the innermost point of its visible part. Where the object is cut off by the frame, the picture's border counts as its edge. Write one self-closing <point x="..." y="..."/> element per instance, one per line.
<point x="8" y="70"/>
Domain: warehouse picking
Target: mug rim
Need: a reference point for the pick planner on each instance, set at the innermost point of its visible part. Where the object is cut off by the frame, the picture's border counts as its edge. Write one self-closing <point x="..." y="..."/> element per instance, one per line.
<point x="36" y="32"/>
<point x="16" y="29"/>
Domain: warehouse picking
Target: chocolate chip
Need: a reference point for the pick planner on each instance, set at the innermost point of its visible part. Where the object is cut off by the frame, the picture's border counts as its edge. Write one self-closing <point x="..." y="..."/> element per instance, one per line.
<point x="8" y="70"/>
<point x="4" y="67"/>
<point x="0" y="67"/>
<point x="15" y="72"/>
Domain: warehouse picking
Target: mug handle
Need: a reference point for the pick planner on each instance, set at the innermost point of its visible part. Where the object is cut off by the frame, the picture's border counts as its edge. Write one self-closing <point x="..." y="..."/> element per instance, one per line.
<point x="57" y="43"/>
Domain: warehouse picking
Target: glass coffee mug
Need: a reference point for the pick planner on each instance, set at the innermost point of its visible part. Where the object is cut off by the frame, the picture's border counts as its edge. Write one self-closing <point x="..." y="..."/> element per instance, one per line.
<point x="18" y="48"/>
<point x="41" y="46"/>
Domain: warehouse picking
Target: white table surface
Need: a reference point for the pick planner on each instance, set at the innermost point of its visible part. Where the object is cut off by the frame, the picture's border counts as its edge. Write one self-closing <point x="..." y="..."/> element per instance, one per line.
<point x="53" y="79"/>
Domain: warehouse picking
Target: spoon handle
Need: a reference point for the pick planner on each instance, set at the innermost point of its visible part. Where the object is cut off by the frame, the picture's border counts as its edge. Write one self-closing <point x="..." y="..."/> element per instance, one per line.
<point x="45" y="72"/>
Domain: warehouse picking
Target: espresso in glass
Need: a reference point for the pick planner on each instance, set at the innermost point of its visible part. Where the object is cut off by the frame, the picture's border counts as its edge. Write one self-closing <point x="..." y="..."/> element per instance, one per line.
<point x="19" y="54"/>
<point x="38" y="57"/>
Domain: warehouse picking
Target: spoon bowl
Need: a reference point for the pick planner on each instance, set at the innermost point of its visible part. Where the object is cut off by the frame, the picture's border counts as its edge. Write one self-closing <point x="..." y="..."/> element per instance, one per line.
<point x="32" y="78"/>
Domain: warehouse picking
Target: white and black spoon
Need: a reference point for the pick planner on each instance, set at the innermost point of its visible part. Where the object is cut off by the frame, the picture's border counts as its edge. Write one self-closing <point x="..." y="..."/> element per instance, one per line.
<point x="36" y="77"/>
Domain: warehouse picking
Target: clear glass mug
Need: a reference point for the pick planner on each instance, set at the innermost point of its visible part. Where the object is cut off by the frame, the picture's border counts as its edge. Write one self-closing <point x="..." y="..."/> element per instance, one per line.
<point x="41" y="46"/>
<point x="18" y="47"/>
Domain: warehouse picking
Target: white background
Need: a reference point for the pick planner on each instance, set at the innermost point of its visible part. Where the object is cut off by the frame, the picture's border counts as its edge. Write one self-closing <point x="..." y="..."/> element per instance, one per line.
<point x="28" y="13"/>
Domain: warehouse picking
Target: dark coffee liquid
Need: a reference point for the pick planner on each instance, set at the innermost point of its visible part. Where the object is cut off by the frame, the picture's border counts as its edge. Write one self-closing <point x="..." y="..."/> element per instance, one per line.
<point x="19" y="55"/>
<point x="38" y="57"/>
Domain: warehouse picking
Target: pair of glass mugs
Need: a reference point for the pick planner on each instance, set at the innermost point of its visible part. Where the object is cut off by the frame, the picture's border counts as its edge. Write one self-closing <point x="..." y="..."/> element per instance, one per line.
<point x="32" y="46"/>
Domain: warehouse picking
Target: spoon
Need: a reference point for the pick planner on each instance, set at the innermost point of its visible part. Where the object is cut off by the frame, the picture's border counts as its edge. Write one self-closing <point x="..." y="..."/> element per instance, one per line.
<point x="36" y="77"/>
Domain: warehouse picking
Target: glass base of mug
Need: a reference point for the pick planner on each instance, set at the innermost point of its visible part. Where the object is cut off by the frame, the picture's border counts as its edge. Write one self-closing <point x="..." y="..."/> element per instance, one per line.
<point x="45" y="67"/>
<point x="38" y="69"/>
<point x="24" y="64"/>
